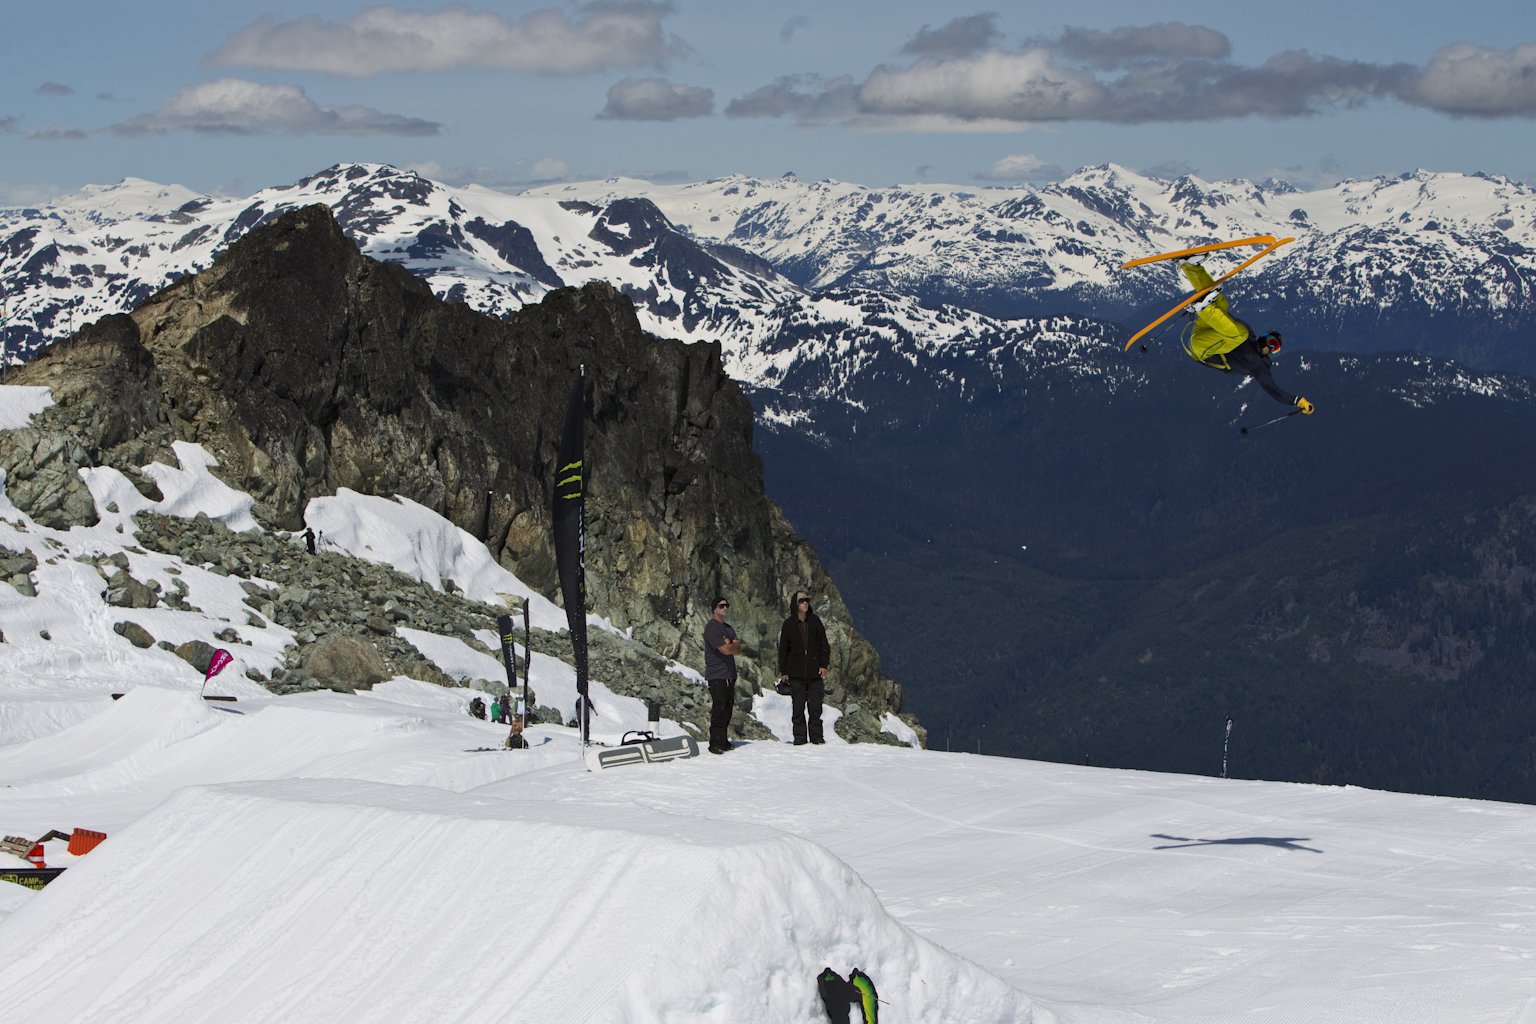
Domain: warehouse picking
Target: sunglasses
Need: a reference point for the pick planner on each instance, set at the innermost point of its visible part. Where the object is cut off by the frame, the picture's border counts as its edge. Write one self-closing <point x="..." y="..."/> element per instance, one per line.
<point x="802" y="600"/>
<point x="723" y="604"/>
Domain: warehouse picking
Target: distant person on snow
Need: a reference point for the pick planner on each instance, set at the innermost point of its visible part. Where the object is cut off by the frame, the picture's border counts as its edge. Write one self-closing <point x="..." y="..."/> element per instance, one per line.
<point x="720" y="649"/>
<point x="803" y="658"/>
<point x="309" y="539"/>
<point x="1223" y="342"/>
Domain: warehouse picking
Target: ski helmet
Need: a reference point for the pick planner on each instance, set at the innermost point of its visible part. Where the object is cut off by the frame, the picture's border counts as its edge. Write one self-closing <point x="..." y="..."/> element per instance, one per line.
<point x="1272" y="342"/>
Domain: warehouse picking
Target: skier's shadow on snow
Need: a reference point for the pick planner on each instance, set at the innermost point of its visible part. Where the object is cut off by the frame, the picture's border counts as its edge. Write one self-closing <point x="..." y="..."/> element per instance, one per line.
<point x="1279" y="842"/>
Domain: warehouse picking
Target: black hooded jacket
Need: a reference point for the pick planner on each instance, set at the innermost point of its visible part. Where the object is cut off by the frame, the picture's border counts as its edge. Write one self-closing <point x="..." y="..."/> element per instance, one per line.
<point x="1250" y="359"/>
<point x="803" y="652"/>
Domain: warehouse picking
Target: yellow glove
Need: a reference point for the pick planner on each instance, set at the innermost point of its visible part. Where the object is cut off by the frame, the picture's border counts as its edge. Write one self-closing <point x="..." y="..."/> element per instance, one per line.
<point x="1305" y="406"/>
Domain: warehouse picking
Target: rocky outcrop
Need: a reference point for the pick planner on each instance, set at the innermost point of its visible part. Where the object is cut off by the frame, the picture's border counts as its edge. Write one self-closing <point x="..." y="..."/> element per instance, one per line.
<point x="305" y="367"/>
<point x="345" y="662"/>
<point x="16" y="569"/>
<point x="106" y="394"/>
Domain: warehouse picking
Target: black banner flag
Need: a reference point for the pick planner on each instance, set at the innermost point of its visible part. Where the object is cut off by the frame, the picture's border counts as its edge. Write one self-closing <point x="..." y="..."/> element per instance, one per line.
<point x="515" y="739"/>
<point x="569" y="514"/>
<point x="508" y="652"/>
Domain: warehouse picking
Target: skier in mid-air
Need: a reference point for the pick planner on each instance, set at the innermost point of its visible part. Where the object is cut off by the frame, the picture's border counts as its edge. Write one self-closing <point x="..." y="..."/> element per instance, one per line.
<point x="1221" y="341"/>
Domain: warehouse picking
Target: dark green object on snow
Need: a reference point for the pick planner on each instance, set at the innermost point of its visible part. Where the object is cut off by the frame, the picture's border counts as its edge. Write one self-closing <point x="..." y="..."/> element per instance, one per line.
<point x="867" y="1000"/>
<point x="839" y="994"/>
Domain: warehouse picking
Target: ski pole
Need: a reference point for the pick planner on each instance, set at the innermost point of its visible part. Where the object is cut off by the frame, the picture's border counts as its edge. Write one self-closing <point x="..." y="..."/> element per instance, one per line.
<point x="1158" y="336"/>
<point x="1244" y="430"/>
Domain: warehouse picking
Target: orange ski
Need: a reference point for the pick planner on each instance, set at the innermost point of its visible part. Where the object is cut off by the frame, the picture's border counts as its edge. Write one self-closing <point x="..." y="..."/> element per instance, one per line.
<point x="1196" y="296"/>
<point x="1255" y="240"/>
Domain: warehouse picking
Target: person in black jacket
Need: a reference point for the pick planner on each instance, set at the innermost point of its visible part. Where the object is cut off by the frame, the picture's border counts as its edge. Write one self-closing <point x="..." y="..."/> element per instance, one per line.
<point x="803" y="658"/>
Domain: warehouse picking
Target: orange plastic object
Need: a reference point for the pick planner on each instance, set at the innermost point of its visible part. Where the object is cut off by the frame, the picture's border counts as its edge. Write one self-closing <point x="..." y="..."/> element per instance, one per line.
<point x="83" y="841"/>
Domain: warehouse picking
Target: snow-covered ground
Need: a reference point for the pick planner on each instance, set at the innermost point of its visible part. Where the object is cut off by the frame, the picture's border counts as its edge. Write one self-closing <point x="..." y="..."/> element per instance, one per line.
<point x="343" y="858"/>
<point x="327" y="857"/>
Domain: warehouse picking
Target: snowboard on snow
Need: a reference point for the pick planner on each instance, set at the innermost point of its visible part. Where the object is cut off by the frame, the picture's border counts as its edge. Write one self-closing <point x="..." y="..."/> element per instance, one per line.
<point x="673" y="748"/>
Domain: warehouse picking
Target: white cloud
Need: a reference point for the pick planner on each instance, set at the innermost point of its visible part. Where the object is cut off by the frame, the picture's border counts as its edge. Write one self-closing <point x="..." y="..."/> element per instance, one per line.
<point x="1033" y="86"/>
<point x="958" y="37"/>
<point x="1021" y="167"/>
<point x="238" y="107"/>
<point x="807" y="97"/>
<point x="1119" y="46"/>
<point x="385" y="39"/>
<point x="57" y="133"/>
<point x="1168" y="72"/>
<point x="1027" y="86"/>
<point x="794" y="25"/>
<point x="1170" y="169"/>
<point x="656" y="99"/>
<point x="519" y="174"/>
<point x="549" y="168"/>
<point x="1475" y="81"/>
<point x="27" y="193"/>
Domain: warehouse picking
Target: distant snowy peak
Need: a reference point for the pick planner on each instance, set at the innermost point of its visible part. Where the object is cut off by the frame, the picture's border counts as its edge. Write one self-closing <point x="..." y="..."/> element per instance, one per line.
<point x="129" y="199"/>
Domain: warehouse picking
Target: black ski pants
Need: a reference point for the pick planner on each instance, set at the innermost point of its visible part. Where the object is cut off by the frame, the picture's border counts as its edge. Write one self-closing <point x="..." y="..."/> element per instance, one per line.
<point x="805" y="698"/>
<point x="722" y="701"/>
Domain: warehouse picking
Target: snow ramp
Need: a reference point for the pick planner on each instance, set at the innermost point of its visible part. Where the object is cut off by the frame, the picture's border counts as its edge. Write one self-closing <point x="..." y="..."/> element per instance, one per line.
<point x="330" y="901"/>
<point x="147" y="720"/>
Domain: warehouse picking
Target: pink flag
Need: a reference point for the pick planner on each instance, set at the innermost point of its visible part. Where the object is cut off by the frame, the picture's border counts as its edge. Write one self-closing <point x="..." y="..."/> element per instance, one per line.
<point x="216" y="664"/>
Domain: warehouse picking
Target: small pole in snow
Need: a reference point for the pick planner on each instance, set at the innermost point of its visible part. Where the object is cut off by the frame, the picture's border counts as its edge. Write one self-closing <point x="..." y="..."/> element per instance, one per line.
<point x="1226" y="741"/>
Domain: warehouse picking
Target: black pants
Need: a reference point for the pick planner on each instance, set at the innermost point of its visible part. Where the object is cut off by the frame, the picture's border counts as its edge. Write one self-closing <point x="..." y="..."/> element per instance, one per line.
<point x="805" y="697"/>
<point x="722" y="701"/>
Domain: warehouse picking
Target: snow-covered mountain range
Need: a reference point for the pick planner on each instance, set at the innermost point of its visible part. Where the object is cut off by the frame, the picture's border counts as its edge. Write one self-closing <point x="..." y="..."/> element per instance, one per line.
<point x="111" y="247"/>
<point x="784" y="273"/>
<point x="1445" y="263"/>
<point x="1023" y="247"/>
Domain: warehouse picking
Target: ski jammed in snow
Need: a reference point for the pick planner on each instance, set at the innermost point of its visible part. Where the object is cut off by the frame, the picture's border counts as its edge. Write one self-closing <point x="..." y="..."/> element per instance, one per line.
<point x="325" y="857"/>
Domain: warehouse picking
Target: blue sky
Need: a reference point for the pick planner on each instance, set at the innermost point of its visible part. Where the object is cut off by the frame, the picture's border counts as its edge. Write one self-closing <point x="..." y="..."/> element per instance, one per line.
<point x="233" y="98"/>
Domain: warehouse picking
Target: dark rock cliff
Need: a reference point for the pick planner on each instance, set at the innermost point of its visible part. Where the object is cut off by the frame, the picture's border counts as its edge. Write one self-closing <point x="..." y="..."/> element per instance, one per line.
<point x="305" y="367"/>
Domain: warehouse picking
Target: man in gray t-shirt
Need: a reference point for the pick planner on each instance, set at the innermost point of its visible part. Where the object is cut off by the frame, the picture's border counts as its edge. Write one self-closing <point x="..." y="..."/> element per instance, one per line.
<point x="720" y="649"/>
